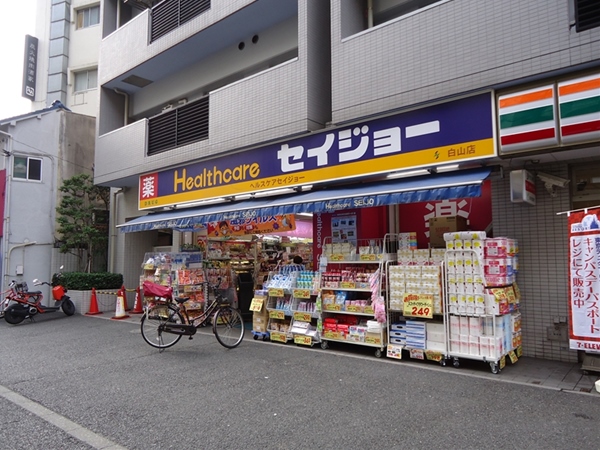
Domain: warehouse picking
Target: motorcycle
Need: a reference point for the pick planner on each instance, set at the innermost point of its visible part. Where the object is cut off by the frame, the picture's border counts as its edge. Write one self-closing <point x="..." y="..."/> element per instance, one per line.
<point x="26" y="304"/>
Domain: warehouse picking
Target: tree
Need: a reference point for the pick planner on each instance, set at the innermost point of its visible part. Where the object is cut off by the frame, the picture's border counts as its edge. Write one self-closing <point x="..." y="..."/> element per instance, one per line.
<point x="81" y="204"/>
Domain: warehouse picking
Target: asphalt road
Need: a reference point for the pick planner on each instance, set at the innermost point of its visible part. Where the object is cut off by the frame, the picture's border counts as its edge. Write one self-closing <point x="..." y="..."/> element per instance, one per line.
<point x="79" y="382"/>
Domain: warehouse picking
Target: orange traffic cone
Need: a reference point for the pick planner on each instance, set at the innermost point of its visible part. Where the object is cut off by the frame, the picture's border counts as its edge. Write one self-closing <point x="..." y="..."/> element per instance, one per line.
<point x="124" y="291"/>
<point x="120" y="312"/>
<point x="93" y="305"/>
<point x="137" y="306"/>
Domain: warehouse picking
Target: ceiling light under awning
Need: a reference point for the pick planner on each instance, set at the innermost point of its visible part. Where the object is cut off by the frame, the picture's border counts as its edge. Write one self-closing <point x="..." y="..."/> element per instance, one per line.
<point x="458" y="184"/>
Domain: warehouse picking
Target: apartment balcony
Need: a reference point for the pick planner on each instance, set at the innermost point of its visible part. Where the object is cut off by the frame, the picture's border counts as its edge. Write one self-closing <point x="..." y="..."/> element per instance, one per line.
<point x="222" y="89"/>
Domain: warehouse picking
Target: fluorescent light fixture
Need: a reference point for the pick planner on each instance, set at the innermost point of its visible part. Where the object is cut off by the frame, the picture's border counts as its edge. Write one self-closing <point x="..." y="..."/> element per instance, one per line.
<point x="201" y="203"/>
<point x="307" y="187"/>
<point x="243" y="196"/>
<point x="304" y="214"/>
<point x="447" y="168"/>
<point x="408" y="173"/>
<point x="274" y="192"/>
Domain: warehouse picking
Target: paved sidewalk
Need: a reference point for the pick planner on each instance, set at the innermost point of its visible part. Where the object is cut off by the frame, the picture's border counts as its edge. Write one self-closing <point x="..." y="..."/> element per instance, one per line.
<point x="562" y="376"/>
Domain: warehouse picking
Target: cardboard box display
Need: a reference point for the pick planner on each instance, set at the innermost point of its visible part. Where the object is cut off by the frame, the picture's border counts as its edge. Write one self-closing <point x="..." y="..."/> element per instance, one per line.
<point x="440" y="225"/>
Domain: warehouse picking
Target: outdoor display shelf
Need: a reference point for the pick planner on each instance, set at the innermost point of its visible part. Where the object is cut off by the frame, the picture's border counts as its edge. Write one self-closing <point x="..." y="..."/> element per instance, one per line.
<point x="415" y="306"/>
<point x="183" y="272"/>
<point x="351" y="285"/>
<point x="481" y="300"/>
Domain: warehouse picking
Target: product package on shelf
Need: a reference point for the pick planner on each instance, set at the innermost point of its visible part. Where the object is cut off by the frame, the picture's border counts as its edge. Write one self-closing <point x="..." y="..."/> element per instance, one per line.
<point x="422" y="280"/>
<point x="360" y="250"/>
<point x="482" y="297"/>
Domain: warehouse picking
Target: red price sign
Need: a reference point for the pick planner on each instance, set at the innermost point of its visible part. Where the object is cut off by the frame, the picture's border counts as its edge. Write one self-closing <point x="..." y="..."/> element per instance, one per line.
<point x="418" y="305"/>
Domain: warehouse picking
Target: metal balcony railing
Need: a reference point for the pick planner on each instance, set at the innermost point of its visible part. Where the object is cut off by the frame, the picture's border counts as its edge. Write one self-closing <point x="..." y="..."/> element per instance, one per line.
<point x="170" y="14"/>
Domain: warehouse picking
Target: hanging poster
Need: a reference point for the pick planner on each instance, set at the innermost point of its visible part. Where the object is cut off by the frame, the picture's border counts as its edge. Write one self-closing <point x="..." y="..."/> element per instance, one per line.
<point x="257" y="225"/>
<point x="584" y="280"/>
<point x="343" y="228"/>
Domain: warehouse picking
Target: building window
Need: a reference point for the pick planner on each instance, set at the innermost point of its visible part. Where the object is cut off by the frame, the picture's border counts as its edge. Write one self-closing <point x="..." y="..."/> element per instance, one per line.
<point x="25" y="168"/>
<point x="587" y="14"/>
<point x="386" y="10"/>
<point x="88" y="17"/>
<point x="85" y="80"/>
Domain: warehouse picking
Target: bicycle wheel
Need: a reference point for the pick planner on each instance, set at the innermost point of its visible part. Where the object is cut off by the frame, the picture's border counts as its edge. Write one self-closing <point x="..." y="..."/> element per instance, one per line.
<point x="153" y="322"/>
<point x="228" y="327"/>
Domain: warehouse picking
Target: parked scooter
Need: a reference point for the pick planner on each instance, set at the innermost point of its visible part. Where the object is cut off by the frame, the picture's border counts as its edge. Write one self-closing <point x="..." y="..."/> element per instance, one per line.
<point x="26" y="304"/>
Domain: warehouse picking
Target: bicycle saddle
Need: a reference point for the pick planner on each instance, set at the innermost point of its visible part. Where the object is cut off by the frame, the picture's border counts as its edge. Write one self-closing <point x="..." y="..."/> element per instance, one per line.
<point x="181" y="299"/>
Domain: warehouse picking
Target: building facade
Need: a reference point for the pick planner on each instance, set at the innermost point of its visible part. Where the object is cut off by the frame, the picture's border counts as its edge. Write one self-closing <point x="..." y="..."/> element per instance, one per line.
<point x="40" y="150"/>
<point x="52" y="143"/>
<point x="69" y="34"/>
<point x="186" y="83"/>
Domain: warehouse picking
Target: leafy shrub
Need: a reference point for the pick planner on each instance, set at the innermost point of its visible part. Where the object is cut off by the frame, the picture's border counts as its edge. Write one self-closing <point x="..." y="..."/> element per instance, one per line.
<point x="82" y="281"/>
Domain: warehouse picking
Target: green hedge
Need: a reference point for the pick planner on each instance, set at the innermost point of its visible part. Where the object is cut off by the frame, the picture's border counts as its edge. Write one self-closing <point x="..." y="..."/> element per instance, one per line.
<point x="81" y="281"/>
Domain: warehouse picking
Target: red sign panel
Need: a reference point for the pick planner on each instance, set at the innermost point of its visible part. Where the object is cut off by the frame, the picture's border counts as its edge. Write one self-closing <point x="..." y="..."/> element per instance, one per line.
<point x="584" y="280"/>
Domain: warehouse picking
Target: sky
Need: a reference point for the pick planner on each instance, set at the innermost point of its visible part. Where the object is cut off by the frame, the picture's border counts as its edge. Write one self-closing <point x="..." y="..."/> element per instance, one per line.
<point x="17" y="19"/>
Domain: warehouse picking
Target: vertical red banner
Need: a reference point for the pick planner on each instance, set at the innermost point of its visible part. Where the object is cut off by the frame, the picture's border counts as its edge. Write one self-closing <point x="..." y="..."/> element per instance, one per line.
<point x="584" y="280"/>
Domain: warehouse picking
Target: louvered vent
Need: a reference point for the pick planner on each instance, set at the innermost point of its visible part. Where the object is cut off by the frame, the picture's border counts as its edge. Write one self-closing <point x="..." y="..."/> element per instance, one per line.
<point x="170" y="14"/>
<point x="587" y="14"/>
<point x="179" y="127"/>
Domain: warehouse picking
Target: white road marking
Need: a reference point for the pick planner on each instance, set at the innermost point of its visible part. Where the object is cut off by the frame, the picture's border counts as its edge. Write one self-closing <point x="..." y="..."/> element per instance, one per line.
<point x="77" y="431"/>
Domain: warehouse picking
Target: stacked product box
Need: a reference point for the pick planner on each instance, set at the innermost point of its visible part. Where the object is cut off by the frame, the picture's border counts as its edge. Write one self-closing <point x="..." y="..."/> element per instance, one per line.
<point x="260" y="318"/>
<point x="415" y="279"/>
<point x="407" y="241"/>
<point x="435" y="336"/>
<point x="398" y="333"/>
<point x="415" y="334"/>
<point x="484" y="336"/>
<point x="482" y="301"/>
<point x="500" y="261"/>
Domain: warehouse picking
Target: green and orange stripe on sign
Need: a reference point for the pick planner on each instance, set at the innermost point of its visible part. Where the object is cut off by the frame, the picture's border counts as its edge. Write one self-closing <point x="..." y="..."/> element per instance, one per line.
<point x="579" y="107"/>
<point x="527" y="120"/>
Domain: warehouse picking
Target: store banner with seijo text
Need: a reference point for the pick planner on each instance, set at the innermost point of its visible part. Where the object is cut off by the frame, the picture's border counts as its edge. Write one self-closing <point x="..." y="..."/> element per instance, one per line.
<point x="257" y="225"/>
<point x="584" y="280"/>
<point x="451" y="132"/>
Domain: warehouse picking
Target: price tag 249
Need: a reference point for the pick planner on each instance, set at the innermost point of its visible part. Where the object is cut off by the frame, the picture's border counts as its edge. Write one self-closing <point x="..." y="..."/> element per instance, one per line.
<point x="418" y="305"/>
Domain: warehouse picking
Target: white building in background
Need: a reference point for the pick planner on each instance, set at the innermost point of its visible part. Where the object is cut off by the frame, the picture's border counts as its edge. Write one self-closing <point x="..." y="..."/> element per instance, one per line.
<point x="53" y="142"/>
<point x="39" y="150"/>
<point x="69" y="33"/>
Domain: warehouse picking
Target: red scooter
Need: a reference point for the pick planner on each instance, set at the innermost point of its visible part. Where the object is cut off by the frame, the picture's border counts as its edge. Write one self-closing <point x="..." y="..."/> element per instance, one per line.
<point x="26" y="304"/>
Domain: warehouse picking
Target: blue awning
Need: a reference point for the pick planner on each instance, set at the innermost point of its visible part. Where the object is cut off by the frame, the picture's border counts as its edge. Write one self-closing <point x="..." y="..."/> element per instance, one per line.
<point x="461" y="184"/>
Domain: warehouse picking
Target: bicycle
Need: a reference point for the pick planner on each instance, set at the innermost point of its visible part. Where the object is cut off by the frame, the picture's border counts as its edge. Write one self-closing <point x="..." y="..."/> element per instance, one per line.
<point x="164" y="322"/>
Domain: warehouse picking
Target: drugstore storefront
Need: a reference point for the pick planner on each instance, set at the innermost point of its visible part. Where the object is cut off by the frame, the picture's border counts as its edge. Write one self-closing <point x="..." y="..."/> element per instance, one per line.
<point x="395" y="173"/>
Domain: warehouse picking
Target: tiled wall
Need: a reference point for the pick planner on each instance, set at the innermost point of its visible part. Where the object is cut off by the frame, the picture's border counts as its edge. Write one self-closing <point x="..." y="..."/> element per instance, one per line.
<point x="448" y="49"/>
<point x="543" y="260"/>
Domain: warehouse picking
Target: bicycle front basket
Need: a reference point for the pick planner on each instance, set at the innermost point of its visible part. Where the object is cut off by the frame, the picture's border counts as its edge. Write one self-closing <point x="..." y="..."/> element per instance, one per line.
<point x="21" y="287"/>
